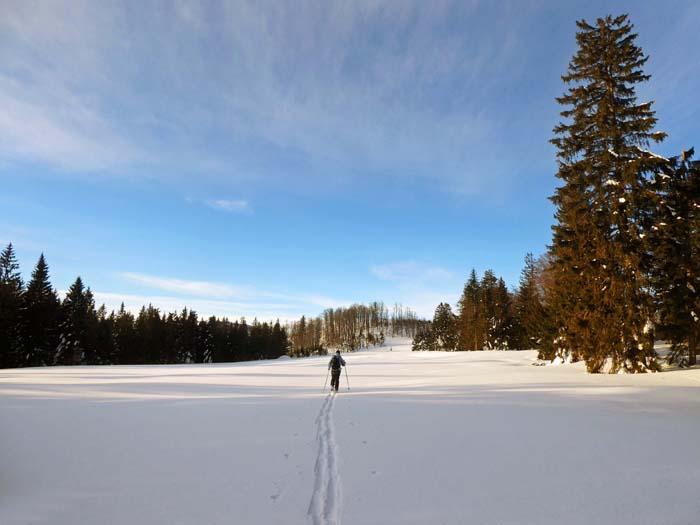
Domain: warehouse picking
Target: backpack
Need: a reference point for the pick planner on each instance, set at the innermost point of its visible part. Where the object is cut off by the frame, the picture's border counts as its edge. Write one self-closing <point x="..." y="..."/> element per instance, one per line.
<point x="335" y="365"/>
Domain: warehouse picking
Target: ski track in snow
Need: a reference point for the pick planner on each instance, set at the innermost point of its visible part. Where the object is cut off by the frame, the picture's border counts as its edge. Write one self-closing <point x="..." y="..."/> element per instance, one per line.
<point x="324" y="508"/>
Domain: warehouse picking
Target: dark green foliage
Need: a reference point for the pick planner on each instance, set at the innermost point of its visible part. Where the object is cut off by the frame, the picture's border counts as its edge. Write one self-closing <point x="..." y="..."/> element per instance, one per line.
<point x="104" y="338"/>
<point x="674" y="243"/>
<point x="279" y="344"/>
<point x="444" y="328"/>
<point x="126" y="340"/>
<point x="78" y="327"/>
<point x="530" y="313"/>
<point x="229" y="340"/>
<point x="205" y="343"/>
<point x="187" y="335"/>
<point x="11" y="290"/>
<point x="501" y="329"/>
<point x="471" y="322"/>
<point x="39" y="319"/>
<point x="152" y="331"/>
<point x="424" y="340"/>
<point x="601" y="300"/>
<point x="37" y="329"/>
<point x="485" y="318"/>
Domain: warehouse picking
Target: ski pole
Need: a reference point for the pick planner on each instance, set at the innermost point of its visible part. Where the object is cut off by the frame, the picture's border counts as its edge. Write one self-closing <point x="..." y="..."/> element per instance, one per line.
<point x="346" y="377"/>
<point x="326" y="381"/>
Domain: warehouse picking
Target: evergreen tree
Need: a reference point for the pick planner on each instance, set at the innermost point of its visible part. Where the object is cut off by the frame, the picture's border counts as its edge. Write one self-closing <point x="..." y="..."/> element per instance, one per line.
<point x="11" y="289"/>
<point x="170" y="331"/>
<point x="503" y="331"/>
<point x="424" y="340"/>
<point x="78" y="330"/>
<point x="279" y="340"/>
<point x="91" y="333"/>
<point x="39" y="318"/>
<point x="104" y="338"/>
<point x="444" y="328"/>
<point x="601" y="299"/>
<point x="205" y="343"/>
<point x="150" y="331"/>
<point x="470" y="319"/>
<point x="529" y="308"/>
<point x="256" y="340"/>
<point x="125" y="338"/>
<point x="219" y="339"/>
<point x="674" y="243"/>
<point x="485" y="314"/>
<point x="298" y="338"/>
<point x="491" y="310"/>
<point x="187" y="335"/>
<point x="240" y="346"/>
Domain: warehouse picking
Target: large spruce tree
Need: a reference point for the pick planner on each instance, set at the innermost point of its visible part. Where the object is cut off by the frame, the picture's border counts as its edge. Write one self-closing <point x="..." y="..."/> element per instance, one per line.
<point x="39" y="318"/>
<point x="601" y="300"/>
<point x="11" y="289"/>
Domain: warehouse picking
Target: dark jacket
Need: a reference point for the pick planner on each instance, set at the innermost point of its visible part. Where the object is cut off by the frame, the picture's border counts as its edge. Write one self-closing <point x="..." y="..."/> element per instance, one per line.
<point x="336" y="362"/>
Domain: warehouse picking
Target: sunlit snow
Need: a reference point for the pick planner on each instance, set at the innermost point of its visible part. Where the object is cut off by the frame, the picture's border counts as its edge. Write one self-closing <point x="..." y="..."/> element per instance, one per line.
<point x="462" y="437"/>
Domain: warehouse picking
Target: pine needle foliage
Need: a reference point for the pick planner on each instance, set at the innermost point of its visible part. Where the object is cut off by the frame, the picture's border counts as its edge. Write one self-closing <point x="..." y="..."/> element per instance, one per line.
<point x="601" y="303"/>
<point x="11" y="290"/>
<point x="674" y="249"/>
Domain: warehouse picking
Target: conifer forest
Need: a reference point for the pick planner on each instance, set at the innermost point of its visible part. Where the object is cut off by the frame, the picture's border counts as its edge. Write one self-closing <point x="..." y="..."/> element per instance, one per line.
<point x="37" y="328"/>
<point x="623" y="268"/>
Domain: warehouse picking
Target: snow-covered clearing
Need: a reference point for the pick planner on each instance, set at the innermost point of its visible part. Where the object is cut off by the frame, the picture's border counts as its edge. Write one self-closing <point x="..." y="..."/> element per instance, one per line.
<point x="425" y="438"/>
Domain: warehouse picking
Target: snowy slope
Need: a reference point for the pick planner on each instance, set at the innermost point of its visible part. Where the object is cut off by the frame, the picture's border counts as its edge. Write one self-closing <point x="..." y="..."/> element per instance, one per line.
<point x="481" y="437"/>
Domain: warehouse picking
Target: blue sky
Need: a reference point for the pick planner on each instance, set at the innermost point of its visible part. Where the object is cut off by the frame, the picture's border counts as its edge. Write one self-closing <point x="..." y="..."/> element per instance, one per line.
<point x="272" y="159"/>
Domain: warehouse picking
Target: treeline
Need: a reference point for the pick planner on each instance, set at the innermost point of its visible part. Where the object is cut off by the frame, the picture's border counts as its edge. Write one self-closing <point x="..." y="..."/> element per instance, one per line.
<point x="624" y="266"/>
<point x="38" y="329"/>
<point x="489" y="316"/>
<point x="350" y="328"/>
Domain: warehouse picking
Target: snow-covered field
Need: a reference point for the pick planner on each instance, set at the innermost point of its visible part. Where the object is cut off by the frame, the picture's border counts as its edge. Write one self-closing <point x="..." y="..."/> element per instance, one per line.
<point x="427" y="438"/>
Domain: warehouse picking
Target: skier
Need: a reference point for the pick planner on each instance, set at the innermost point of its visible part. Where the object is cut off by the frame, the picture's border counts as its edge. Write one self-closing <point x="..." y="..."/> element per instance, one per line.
<point x="334" y="366"/>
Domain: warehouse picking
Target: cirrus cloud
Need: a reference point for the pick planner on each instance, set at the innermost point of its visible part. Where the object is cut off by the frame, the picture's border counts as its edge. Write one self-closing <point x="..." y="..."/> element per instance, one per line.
<point x="229" y="205"/>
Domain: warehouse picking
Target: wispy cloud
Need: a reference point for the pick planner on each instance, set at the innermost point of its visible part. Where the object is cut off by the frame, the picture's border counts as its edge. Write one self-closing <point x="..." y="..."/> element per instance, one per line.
<point x="388" y="86"/>
<point x="191" y="288"/>
<point x="246" y="300"/>
<point x="261" y="92"/>
<point x="410" y="272"/>
<point x="73" y="137"/>
<point x="53" y="61"/>
<point x="232" y="206"/>
<point x="263" y="311"/>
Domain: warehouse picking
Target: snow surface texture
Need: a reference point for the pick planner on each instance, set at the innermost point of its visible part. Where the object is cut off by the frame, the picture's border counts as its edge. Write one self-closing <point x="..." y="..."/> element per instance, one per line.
<point x="454" y="438"/>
